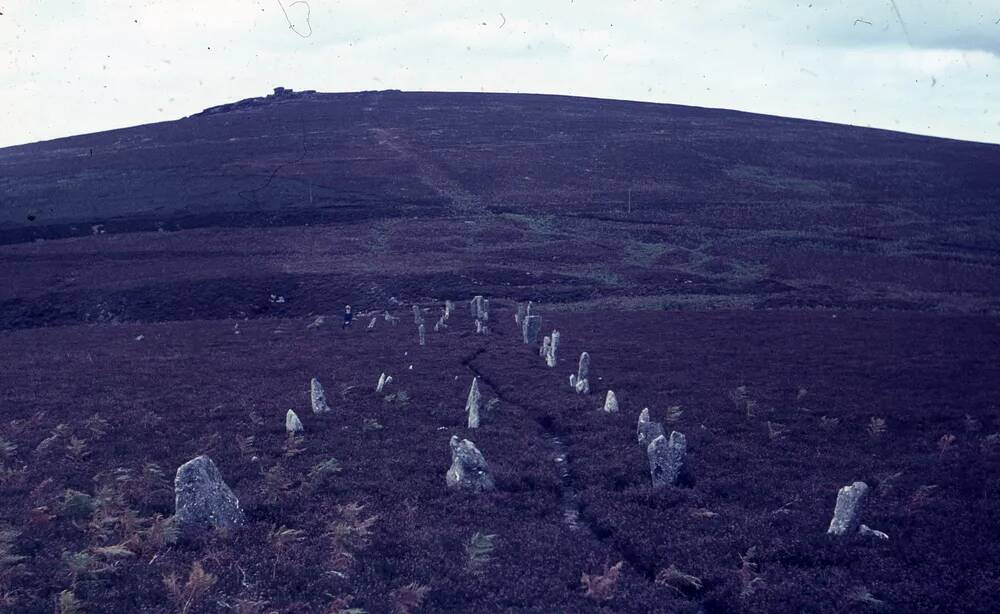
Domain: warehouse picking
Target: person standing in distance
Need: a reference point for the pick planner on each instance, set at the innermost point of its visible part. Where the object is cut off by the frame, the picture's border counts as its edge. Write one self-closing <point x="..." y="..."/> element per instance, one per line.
<point x="347" y="317"/>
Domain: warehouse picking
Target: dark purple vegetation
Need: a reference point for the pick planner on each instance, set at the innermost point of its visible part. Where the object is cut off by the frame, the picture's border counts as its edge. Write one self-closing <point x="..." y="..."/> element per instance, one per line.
<point x="809" y="304"/>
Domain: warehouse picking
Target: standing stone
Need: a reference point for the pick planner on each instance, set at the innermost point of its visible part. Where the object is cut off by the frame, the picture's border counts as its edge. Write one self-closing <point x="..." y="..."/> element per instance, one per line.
<point x="473" y="404"/>
<point x="484" y="314"/>
<point x="572" y="381"/>
<point x="476" y="306"/>
<point x="532" y="326"/>
<point x="666" y="459"/>
<point x="479" y="327"/>
<point x="468" y="467"/>
<point x="611" y="403"/>
<point x="550" y="358"/>
<point x="381" y="383"/>
<point x="448" y="308"/>
<point x="318" y="398"/>
<point x="543" y="351"/>
<point x="422" y="332"/>
<point x="202" y="499"/>
<point x="583" y="370"/>
<point x="847" y="513"/>
<point x="647" y="431"/>
<point x="521" y="312"/>
<point x="417" y="316"/>
<point x="292" y="423"/>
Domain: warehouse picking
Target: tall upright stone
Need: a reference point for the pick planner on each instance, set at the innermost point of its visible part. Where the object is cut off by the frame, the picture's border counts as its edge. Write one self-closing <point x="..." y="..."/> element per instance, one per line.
<point x="382" y="381"/>
<point x="611" y="403"/>
<point x="550" y="358"/>
<point x="293" y="425"/>
<point x="317" y="397"/>
<point x="847" y="513"/>
<point x="418" y="316"/>
<point x="521" y="312"/>
<point x="473" y="404"/>
<point x="646" y="430"/>
<point x="422" y="334"/>
<point x="543" y="350"/>
<point x="582" y="383"/>
<point x="476" y="306"/>
<point x="468" y="469"/>
<point x="202" y="499"/>
<point x="532" y="326"/>
<point x="666" y="459"/>
<point x="449" y="307"/>
<point x="484" y="313"/>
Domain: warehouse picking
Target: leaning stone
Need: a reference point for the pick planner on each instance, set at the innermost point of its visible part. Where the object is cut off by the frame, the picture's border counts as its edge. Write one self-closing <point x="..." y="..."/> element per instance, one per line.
<point x="468" y="467"/>
<point x="867" y="531"/>
<point x="647" y="431"/>
<point x="666" y="459"/>
<point x="202" y="498"/>
<point x="847" y="513"/>
<point x="383" y="381"/>
<point x="530" y="329"/>
<point x="611" y="403"/>
<point x="319" y="405"/>
<point x="292" y="423"/>
<point x="473" y="404"/>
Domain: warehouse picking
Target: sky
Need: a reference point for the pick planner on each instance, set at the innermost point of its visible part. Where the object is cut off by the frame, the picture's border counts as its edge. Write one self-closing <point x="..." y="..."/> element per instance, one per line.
<point x="922" y="66"/>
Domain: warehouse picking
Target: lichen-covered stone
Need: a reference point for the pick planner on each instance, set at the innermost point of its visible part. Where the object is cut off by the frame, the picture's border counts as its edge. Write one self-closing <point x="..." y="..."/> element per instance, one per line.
<point x="318" y="398"/>
<point x="468" y="469"/>
<point x="202" y="498"/>
<point x="292" y="423"/>
<point x="666" y="459"/>
<point x="847" y="513"/>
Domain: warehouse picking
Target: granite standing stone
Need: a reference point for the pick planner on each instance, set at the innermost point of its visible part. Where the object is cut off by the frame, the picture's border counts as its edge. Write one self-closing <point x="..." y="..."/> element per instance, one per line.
<point x="666" y="459"/>
<point x="532" y="326"/>
<point x="202" y="498"/>
<point x="473" y="404"/>
<point x="611" y="403"/>
<point x="318" y="398"/>
<point x="468" y="469"/>
<point x="292" y="423"/>
<point x="847" y="513"/>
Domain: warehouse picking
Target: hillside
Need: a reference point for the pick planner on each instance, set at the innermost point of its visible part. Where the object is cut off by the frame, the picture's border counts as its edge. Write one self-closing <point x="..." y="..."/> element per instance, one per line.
<point x="646" y="205"/>
<point x="810" y="305"/>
